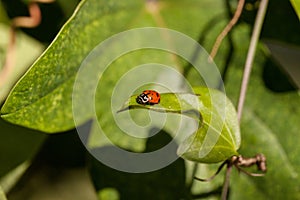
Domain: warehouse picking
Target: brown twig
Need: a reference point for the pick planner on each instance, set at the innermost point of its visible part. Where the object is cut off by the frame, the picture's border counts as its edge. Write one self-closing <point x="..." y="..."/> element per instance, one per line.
<point x="213" y="176"/>
<point x="227" y="28"/>
<point x="259" y="160"/>
<point x="239" y="162"/>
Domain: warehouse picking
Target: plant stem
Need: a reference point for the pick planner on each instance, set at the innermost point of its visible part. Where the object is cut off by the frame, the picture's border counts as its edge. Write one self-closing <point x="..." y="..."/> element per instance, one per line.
<point x="248" y="66"/>
<point x="226" y="182"/>
<point x="228" y="27"/>
<point x="251" y="53"/>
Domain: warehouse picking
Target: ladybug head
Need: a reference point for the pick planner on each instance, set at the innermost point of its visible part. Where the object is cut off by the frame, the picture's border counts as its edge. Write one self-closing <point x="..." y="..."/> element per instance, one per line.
<point x="142" y="99"/>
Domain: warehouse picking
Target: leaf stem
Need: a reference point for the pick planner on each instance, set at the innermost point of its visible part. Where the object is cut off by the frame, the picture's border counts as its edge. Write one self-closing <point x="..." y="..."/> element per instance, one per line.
<point x="226" y="182"/>
<point x="251" y="53"/>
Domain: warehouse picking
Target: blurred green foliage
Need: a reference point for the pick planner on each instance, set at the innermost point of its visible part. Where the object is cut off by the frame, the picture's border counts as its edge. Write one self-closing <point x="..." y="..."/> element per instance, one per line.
<point x="269" y="125"/>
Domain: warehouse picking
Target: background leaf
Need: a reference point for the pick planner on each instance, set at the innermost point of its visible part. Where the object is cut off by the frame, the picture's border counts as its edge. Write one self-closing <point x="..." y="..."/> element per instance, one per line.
<point x="57" y="171"/>
<point x="296" y="5"/>
<point x="274" y="115"/>
<point x="27" y="50"/>
<point x="47" y="87"/>
<point x="17" y="144"/>
<point x="2" y="195"/>
<point x="270" y="126"/>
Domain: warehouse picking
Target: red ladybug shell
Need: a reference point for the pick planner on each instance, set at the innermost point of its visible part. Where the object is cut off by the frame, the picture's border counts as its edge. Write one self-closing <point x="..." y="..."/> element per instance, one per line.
<point x="148" y="97"/>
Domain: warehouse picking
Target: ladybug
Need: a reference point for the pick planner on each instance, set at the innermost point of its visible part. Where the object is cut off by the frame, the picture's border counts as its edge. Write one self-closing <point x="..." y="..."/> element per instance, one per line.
<point x="149" y="97"/>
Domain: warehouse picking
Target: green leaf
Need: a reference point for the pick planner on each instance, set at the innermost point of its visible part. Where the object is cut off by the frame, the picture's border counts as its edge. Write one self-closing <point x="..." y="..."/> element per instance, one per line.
<point x="185" y="103"/>
<point x="9" y="180"/>
<point x="270" y="125"/>
<point x="2" y="195"/>
<point x="296" y="5"/>
<point x="105" y="98"/>
<point x="3" y="17"/>
<point x="27" y="50"/>
<point x="108" y="194"/>
<point x="47" y="87"/>
<point x="17" y="145"/>
<point x="218" y="135"/>
<point x="258" y="135"/>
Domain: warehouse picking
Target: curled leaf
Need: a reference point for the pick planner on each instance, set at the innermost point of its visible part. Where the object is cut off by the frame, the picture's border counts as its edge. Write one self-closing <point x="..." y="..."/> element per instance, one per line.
<point x="217" y="137"/>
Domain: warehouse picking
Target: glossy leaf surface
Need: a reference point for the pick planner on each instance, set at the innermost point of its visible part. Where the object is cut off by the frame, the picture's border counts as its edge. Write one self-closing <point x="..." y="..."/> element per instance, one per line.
<point x="47" y="86"/>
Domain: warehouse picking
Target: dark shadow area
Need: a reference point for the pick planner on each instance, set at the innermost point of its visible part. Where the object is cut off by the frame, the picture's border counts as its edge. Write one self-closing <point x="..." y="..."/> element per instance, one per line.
<point x="281" y="22"/>
<point x="17" y="144"/>
<point x="61" y="170"/>
<point x="275" y="79"/>
<point x="166" y="183"/>
<point x="56" y="171"/>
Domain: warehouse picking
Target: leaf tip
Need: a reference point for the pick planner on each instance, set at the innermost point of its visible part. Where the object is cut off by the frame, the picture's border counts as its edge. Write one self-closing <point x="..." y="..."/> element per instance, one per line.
<point x="123" y="109"/>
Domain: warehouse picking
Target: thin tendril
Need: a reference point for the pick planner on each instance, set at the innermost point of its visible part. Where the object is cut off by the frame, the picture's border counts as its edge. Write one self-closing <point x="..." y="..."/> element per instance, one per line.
<point x="228" y="27"/>
<point x="213" y="176"/>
